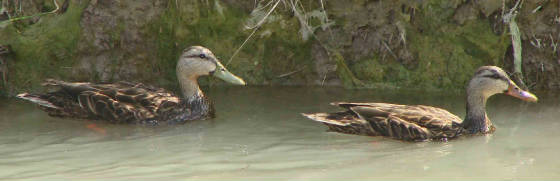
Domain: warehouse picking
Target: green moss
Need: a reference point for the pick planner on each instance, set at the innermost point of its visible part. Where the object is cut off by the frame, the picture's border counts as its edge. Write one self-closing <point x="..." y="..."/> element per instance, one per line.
<point x="344" y="73"/>
<point x="445" y="54"/>
<point x="448" y="54"/>
<point x="45" y="49"/>
<point x="369" y="70"/>
<point x="285" y="51"/>
<point x="275" y="49"/>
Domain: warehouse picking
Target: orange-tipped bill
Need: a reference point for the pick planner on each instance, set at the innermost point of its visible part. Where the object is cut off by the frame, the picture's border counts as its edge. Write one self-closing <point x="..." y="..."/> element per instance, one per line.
<point x="515" y="91"/>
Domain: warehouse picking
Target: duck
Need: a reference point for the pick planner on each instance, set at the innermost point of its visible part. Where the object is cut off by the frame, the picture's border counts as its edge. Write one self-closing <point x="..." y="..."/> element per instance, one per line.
<point x="421" y="122"/>
<point x="136" y="103"/>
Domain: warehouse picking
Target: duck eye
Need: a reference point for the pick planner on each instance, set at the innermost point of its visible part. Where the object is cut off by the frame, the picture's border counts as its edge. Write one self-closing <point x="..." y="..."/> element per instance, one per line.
<point x="493" y="76"/>
<point x="202" y="56"/>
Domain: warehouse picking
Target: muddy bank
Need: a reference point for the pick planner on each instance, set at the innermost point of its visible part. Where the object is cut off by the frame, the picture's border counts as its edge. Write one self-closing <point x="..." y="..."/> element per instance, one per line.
<point x="420" y="44"/>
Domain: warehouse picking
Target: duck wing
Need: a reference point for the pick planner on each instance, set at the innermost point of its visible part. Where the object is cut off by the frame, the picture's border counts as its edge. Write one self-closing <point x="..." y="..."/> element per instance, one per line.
<point x="121" y="102"/>
<point x="405" y="122"/>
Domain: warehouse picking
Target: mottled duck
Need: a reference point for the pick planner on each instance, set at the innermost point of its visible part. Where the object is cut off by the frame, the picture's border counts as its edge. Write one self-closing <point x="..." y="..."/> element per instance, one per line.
<point x="136" y="103"/>
<point x="420" y="122"/>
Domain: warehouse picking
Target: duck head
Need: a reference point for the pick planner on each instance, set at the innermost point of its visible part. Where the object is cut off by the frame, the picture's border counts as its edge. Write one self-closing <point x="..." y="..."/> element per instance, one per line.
<point x="198" y="61"/>
<point x="491" y="80"/>
<point x="486" y="82"/>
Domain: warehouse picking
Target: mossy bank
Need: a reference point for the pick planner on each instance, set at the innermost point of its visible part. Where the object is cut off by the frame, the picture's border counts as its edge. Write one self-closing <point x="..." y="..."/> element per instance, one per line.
<point x="433" y="44"/>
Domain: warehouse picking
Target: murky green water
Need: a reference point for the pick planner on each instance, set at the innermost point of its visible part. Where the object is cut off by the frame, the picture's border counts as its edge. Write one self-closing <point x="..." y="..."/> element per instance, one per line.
<point x="259" y="134"/>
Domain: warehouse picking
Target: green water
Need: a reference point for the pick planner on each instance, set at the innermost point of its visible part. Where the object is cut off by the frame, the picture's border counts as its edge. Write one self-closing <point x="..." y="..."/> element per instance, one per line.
<point x="258" y="133"/>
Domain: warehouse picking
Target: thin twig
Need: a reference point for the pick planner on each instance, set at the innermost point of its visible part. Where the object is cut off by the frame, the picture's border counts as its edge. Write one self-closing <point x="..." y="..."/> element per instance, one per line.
<point x="266" y="16"/>
<point x="243" y="44"/>
<point x="252" y="33"/>
<point x="390" y="51"/>
<point x="324" y="78"/>
<point x="512" y="12"/>
<point x="290" y="73"/>
<point x="552" y="43"/>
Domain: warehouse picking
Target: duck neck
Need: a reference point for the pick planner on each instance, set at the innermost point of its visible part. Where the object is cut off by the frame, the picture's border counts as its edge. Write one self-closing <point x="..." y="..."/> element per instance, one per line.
<point x="190" y="89"/>
<point x="198" y="106"/>
<point x="476" y="120"/>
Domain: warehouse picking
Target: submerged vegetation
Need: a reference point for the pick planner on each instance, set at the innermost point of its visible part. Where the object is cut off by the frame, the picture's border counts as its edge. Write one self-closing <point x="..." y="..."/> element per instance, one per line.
<point x="431" y="44"/>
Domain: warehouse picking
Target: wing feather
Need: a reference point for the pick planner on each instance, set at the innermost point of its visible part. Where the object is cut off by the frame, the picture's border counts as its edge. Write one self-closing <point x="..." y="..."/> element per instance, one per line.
<point x="121" y="102"/>
<point x="405" y="122"/>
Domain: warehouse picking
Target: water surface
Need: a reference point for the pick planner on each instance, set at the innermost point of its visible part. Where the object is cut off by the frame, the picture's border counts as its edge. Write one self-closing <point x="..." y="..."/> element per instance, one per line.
<point x="258" y="133"/>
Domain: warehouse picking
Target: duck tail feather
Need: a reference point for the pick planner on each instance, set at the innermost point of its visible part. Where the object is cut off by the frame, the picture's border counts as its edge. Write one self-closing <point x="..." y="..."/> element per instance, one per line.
<point x="37" y="100"/>
<point x="326" y="118"/>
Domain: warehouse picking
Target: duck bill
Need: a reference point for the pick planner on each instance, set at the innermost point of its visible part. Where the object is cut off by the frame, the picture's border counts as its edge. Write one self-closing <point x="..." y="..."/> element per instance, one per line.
<point x="222" y="73"/>
<point x="515" y="91"/>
